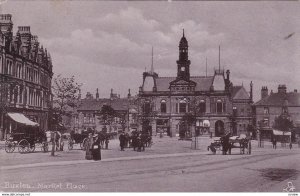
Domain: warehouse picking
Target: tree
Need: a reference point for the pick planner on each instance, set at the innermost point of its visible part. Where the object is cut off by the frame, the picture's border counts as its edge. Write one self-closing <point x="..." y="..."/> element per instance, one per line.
<point x="189" y="119"/>
<point x="283" y="123"/>
<point x="107" y="115"/>
<point x="65" y="98"/>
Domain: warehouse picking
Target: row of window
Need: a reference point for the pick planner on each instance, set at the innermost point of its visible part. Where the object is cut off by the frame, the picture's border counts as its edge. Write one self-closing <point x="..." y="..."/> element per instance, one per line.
<point x="90" y="118"/>
<point x="182" y="88"/>
<point x="241" y="111"/>
<point x="29" y="74"/>
<point x="183" y="106"/>
<point x="284" y="110"/>
<point x="19" y="95"/>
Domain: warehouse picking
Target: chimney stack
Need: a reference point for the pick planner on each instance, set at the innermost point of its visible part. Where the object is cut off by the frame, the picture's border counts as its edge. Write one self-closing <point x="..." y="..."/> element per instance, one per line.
<point x="6" y="27"/>
<point x="282" y="88"/>
<point x="25" y="35"/>
<point x="228" y="74"/>
<point x="264" y="92"/>
<point x="129" y="94"/>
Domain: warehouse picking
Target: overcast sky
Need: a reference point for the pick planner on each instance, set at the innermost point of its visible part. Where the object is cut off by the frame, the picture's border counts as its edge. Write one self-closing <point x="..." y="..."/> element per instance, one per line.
<point x="108" y="44"/>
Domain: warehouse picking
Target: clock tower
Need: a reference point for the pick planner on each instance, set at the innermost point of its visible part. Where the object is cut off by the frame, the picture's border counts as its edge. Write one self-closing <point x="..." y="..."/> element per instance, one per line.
<point x="183" y="63"/>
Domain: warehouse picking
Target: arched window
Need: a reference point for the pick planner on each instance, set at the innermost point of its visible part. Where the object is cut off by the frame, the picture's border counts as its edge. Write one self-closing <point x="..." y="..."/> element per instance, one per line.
<point x="219" y="106"/>
<point x="202" y="106"/>
<point x="182" y="106"/>
<point x="163" y="106"/>
<point x="266" y="110"/>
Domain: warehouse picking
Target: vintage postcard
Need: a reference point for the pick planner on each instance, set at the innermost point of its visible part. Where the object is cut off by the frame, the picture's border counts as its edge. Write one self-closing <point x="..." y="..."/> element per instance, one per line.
<point x="149" y="96"/>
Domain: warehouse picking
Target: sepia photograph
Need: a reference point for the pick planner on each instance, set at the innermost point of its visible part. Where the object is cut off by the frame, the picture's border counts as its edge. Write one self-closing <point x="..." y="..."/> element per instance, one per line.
<point x="149" y="96"/>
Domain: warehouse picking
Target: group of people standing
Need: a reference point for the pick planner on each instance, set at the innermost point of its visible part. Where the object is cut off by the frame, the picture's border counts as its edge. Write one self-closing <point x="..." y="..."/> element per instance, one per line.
<point x="138" y="140"/>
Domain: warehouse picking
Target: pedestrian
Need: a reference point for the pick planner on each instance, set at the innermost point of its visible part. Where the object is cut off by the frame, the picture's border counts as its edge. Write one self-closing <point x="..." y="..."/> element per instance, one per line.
<point x="143" y="141"/>
<point x="122" y="141"/>
<point x="96" y="148"/>
<point x="274" y="143"/>
<point x="58" y="140"/>
<point x="88" y="148"/>
<point x="106" y="142"/>
<point x="139" y="143"/>
<point x="290" y="145"/>
<point x="134" y="141"/>
<point x="126" y="140"/>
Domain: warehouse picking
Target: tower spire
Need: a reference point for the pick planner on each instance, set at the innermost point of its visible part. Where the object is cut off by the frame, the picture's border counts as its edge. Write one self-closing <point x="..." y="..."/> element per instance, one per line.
<point x="206" y="67"/>
<point x="152" y="68"/>
<point x="251" y="91"/>
<point x="183" y="63"/>
<point x="97" y="94"/>
<point x="219" y="58"/>
<point x="182" y="32"/>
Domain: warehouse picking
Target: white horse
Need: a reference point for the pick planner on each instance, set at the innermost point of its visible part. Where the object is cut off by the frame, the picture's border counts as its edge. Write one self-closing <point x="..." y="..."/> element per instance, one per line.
<point x="58" y="139"/>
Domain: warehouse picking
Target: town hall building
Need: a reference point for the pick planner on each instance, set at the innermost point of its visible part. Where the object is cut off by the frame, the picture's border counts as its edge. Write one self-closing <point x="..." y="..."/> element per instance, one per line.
<point x="213" y="104"/>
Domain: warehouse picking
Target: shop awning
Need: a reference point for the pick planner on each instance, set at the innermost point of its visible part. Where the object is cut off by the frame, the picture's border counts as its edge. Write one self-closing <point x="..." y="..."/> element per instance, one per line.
<point x="206" y="123"/>
<point x="277" y="132"/>
<point x="20" y="118"/>
<point x="132" y="110"/>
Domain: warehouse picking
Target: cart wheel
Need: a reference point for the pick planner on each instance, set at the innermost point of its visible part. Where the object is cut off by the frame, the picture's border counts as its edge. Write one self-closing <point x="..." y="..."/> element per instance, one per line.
<point x="84" y="144"/>
<point x="23" y="146"/>
<point x="32" y="148"/>
<point x="9" y="146"/>
<point x="45" y="147"/>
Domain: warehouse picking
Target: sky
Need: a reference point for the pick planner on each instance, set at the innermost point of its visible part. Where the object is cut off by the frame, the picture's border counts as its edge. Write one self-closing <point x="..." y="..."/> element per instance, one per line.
<point x="107" y="44"/>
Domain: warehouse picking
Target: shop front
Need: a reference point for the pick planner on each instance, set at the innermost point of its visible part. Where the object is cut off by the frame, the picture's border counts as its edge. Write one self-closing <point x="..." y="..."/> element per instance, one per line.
<point x="163" y="127"/>
<point x="202" y="128"/>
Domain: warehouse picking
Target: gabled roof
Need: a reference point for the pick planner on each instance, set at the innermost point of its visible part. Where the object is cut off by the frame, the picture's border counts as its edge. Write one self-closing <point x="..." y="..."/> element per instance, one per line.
<point x="183" y="82"/>
<point x="202" y="83"/>
<point x="92" y="104"/>
<point x="239" y="92"/>
<point x="279" y="99"/>
<point x="120" y="104"/>
<point x="95" y="105"/>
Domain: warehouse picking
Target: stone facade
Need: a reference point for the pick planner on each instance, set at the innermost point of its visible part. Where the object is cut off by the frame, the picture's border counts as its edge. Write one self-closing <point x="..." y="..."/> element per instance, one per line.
<point x="87" y="114"/>
<point x="273" y="105"/>
<point x="164" y="101"/>
<point x="25" y="74"/>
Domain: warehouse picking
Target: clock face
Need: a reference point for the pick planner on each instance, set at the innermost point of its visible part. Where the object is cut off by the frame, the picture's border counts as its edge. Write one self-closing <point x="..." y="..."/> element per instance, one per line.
<point x="182" y="68"/>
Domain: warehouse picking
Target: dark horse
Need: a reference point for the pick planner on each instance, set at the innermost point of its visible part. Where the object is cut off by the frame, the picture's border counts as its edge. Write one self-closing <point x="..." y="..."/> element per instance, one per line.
<point x="226" y="145"/>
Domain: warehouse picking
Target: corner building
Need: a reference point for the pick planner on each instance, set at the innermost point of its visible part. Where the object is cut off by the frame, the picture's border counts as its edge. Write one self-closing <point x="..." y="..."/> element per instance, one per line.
<point x="217" y="106"/>
<point x="25" y="76"/>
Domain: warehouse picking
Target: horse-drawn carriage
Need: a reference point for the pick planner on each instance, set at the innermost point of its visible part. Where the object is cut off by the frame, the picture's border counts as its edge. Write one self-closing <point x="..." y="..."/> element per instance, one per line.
<point x="227" y="143"/>
<point x="78" y="138"/>
<point x="26" y="139"/>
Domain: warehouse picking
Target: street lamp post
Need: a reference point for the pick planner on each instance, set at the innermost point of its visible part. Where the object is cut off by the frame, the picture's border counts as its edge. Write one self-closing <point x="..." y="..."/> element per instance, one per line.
<point x="234" y="120"/>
